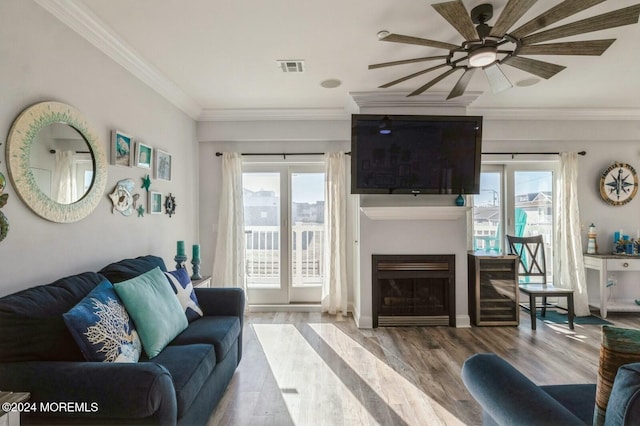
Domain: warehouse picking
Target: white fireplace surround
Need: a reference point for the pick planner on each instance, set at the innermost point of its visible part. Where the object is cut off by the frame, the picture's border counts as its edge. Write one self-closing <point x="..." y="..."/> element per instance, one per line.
<point x="414" y="212"/>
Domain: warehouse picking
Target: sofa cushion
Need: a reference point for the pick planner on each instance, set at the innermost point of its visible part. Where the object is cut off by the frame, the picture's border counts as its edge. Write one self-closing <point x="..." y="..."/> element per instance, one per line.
<point x="130" y="268"/>
<point x="31" y="324"/>
<point x="577" y="398"/>
<point x="619" y="346"/>
<point x="183" y="288"/>
<point x="101" y="327"/>
<point x="154" y="308"/>
<point x="190" y="367"/>
<point x="220" y="331"/>
<point x="624" y="403"/>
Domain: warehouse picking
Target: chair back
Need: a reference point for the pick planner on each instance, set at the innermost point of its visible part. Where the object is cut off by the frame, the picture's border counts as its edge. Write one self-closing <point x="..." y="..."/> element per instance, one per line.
<point x="531" y="253"/>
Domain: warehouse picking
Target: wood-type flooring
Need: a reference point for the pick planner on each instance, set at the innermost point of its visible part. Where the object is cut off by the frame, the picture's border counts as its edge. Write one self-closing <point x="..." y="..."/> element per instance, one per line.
<point x="317" y="369"/>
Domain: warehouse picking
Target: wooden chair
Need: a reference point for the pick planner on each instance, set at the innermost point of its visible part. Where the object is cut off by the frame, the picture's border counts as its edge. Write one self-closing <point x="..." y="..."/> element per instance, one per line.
<point x="533" y="266"/>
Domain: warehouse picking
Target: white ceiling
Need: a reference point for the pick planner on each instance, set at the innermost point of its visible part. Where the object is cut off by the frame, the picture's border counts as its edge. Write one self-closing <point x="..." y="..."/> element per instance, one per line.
<point x="218" y="57"/>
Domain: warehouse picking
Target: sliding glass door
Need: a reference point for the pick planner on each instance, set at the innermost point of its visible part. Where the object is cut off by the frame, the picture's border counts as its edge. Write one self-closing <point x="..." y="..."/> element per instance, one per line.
<point x="284" y="228"/>
<point x="515" y="198"/>
<point x="488" y="224"/>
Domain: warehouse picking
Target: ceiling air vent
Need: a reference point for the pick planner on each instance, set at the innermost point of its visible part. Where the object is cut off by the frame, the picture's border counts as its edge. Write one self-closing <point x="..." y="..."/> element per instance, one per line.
<point x="292" y="65"/>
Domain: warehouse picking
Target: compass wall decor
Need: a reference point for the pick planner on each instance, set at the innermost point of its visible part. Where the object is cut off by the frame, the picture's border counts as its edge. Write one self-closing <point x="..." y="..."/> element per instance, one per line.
<point x="618" y="184"/>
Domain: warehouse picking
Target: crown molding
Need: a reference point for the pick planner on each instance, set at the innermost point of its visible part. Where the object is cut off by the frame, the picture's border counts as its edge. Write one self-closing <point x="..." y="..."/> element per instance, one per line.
<point x="284" y="114"/>
<point x="84" y="22"/>
<point x="401" y="100"/>
<point x="576" y="114"/>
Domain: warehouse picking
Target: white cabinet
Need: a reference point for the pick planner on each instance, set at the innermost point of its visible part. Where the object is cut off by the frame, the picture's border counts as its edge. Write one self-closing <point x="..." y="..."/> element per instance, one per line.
<point x="204" y="282"/>
<point x="15" y="401"/>
<point x="607" y="265"/>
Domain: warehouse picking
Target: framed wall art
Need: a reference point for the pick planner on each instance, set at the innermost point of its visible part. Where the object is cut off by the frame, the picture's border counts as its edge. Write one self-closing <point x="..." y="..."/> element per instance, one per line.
<point x="121" y="149"/>
<point x="143" y="155"/>
<point x="162" y="165"/>
<point x="155" y="202"/>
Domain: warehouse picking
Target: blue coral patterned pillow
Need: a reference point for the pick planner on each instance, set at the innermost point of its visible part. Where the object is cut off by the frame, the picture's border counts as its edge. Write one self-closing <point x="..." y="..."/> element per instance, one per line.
<point x="183" y="288"/>
<point x="101" y="327"/>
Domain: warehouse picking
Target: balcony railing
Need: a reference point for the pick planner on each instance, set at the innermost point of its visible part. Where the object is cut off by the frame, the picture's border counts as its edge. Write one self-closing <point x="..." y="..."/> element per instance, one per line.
<point x="263" y="254"/>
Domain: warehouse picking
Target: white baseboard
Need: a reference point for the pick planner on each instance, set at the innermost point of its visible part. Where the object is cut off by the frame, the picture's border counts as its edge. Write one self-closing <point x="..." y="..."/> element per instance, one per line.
<point x="300" y="307"/>
<point x="463" y="321"/>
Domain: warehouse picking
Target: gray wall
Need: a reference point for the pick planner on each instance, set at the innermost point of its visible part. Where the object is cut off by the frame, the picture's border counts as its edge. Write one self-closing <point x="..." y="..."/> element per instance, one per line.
<point x="41" y="59"/>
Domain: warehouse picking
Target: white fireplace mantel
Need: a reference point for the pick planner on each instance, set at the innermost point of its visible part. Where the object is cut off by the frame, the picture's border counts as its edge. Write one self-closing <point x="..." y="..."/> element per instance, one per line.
<point x="414" y="212"/>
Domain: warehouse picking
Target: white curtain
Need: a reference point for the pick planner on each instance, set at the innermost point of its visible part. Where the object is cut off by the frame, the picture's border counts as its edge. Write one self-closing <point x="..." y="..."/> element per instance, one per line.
<point x="64" y="178"/>
<point x="229" y="264"/>
<point x="569" y="265"/>
<point x="334" y="288"/>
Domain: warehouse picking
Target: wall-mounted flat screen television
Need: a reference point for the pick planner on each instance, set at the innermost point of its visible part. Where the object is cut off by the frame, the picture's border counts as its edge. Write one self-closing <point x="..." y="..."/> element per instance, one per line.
<point x="415" y="154"/>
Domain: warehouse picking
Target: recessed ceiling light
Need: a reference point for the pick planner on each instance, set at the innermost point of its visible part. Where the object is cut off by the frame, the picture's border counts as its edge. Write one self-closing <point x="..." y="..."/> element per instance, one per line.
<point x="528" y="82"/>
<point x="331" y="83"/>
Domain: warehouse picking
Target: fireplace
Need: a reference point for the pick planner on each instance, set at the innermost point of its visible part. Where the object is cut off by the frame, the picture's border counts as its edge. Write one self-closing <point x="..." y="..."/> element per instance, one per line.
<point x="413" y="290"/>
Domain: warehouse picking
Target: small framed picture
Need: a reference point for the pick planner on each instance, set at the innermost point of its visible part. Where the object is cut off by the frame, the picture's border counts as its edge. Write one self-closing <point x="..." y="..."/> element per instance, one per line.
<point x="121" y="149"/>
<point x="155" y="202"/>
<point x="143" y="155"/>
<point x="162" y="163"/>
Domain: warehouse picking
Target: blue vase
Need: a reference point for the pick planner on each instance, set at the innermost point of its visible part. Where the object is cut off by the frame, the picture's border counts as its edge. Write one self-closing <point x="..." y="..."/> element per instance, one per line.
<point x="460" y="200"/>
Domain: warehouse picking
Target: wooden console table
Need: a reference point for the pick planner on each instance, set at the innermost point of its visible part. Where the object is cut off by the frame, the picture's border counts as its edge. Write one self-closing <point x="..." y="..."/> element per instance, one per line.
<point x="604" y="264"/>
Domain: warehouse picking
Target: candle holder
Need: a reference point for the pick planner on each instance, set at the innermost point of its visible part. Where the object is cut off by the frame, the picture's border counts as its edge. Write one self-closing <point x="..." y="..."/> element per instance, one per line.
<point x="180" y="259"/>
<point x="196" y="269"/>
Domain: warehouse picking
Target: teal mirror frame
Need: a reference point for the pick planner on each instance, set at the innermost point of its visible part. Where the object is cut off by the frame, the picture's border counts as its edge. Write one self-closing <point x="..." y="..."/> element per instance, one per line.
<point x="22" y="135"/>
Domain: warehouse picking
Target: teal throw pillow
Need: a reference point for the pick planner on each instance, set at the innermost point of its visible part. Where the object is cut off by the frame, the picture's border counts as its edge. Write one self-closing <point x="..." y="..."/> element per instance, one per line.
<point x="155" y="309"/>
<point x="101" y="327"/>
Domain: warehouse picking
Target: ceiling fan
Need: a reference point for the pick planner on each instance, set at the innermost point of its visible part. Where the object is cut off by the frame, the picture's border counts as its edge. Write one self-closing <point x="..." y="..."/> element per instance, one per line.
<point x="489" y="47"/>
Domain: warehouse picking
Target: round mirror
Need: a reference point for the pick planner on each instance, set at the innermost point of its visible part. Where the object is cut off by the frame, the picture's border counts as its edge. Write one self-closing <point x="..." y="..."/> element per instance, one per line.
<point x="56" y="163"/>
<point x="61" y="163"/>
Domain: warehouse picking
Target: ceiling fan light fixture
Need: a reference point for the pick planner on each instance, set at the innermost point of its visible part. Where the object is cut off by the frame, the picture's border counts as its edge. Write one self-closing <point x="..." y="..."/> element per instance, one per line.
<point x="483" y="56"/>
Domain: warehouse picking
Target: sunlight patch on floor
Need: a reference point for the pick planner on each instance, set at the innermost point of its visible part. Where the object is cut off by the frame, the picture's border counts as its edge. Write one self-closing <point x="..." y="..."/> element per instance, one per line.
<point x="311" y="389"/>
<point x="409" y="402"/>
<point x="314" y="395"/>
<point x="564" y="329"/>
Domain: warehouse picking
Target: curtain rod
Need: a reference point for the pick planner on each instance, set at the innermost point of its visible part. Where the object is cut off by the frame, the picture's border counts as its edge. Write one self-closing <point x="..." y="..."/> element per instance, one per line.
<point x="284" y="154"/>
<point x="513" y="154"/>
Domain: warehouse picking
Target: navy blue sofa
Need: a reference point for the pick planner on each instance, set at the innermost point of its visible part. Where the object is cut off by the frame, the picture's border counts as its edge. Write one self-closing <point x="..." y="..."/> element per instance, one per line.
<point x="181" y="385"/>
<point x="507" y="397"/>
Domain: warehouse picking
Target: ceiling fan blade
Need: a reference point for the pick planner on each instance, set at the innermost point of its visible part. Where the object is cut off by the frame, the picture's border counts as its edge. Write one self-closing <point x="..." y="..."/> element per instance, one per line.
<point x="555" y="14"/>
<point x="398" y="38"/>
<point x="410" y="76"/>
<point x="461" y="85"/>
<point x="432" y="82"/>
<point x="456" y="14"/>
<point x="541" y="69"/>
<point x="497" y="80"/>
<point x="587" y="47"/>
<point x="407" y="61"/>
<point x="510" y="14"/>
<point x="617" y="18"/>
